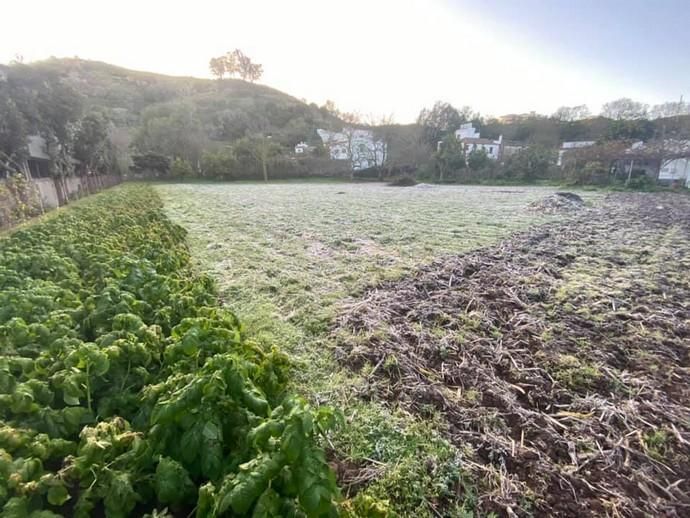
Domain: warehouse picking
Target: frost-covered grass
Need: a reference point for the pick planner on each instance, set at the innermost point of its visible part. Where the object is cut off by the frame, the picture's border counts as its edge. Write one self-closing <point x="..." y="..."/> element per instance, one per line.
<point x="286" y="255"/>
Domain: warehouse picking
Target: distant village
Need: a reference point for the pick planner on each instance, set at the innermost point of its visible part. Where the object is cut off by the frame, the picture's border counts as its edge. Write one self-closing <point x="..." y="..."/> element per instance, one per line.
<point x="666" y="162"/>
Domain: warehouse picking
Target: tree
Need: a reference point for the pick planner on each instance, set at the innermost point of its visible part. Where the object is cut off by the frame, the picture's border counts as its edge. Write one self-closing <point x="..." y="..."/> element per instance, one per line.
<point x="171" y="129"/>
<point x="529" y="163"/>
<point x="625" y="129"/>
<point x="670" y="109"/>
<point x="352" y="118"/>
<point x="59" y="105"/>
<point x="572" y="113"/>
<point x="151" y="162"/>
<point x="478" y="160"/>
<point x="180" y="168"/>
<point x="437" y="122"/>
<point x="383" y="130"/>
<point x="91" y="143"/>
<point x="217" y="66"/>
<point x="246" y="69"/>
<point x="236" y="62"/>
<point x="406" y="150"/>
<point x="259" y="150"/>
<point x="220" y="164"/>
<point x="624" y="109"/>
<point x="13" y="135"/>
<point x="450" y="157"/>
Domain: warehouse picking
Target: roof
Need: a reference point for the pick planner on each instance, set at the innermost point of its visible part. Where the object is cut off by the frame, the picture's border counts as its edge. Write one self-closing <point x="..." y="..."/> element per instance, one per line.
<point x="478" y="141"/>
<point x="574" y="144"/>
<point x="38" y="148"/>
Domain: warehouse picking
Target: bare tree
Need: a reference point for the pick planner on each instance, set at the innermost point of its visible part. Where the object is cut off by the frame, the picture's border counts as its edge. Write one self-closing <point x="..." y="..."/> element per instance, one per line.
<point x="670" y="109"/>
<point x="437" y="122"/>
<point x="625" y="109"/>
<point x="572" y="113"/>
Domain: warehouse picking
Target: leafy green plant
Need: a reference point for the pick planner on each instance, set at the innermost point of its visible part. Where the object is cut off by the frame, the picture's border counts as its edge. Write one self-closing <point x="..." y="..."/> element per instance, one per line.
<point x="125" y="390"/>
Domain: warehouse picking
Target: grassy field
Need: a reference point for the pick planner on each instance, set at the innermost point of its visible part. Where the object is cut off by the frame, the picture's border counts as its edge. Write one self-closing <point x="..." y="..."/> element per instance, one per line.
<point x="288" y="256"/>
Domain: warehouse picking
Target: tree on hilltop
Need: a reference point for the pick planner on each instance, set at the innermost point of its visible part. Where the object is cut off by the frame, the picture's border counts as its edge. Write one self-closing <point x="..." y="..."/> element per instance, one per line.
<point x="236" y="63"/>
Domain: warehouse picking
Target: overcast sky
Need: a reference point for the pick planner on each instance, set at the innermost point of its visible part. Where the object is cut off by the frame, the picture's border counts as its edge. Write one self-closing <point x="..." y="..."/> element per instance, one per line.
<point x="385" y="56"/>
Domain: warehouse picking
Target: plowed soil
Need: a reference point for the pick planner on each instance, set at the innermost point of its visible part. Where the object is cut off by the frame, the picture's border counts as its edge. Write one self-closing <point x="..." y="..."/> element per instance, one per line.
<point x="559" y="359"/>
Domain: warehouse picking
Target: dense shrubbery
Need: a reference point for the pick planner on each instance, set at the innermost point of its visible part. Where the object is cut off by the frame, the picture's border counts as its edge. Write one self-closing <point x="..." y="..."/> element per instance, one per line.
<point x="124" y="389"/>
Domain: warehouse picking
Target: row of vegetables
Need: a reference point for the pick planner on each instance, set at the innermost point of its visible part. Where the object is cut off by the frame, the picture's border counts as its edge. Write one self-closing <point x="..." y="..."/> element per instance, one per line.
<point x="126" y="390"/>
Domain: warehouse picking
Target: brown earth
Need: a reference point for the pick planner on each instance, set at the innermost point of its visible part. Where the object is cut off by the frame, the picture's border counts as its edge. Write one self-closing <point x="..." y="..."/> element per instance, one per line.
<point x="559" y="358"/>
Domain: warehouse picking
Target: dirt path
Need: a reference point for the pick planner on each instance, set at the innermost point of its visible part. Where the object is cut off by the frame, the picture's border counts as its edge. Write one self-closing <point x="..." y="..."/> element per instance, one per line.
<point x="559" y="358"/>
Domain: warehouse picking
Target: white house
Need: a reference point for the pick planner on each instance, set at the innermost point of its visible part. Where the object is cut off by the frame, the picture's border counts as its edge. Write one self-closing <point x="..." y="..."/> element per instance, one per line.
<point x="471" y="140"/>
<point x="677" y="170"/>
<point x="356" y="145"/>
<point x="302" y="148"/>
<point x="673" y="164"/>
<point x="575" y="144"/>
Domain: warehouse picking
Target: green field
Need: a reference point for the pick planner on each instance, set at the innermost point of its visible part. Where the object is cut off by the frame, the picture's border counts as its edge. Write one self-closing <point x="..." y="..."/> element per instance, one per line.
<point x="286" y="257"/>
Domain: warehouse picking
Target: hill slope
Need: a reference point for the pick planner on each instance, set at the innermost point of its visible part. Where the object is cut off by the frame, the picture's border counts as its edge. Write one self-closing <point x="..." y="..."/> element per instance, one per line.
<point x="225" y="109"/>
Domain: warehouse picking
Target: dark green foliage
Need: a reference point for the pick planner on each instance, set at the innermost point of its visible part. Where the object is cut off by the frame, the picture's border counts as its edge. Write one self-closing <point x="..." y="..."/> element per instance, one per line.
<point x="640" y="129"/>
<point x="181" y="168"/>
<point x="91" y="144"/>
<point x="123" y="388"/>
<point x="529" y="164"/>
<point x="13" y="129"/>
<point x="478" y="160"/>
<point x="170" y="129"/>
<point x="151" y="162"/>
<point x="221" y="164"/>
<point x="449" y="157"/>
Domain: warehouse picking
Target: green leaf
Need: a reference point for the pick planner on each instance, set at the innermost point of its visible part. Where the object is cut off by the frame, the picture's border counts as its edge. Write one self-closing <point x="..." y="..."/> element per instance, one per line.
<point x="120" y="496"/>
<point x="70" y="400"/>
<point x="172" y="482"/>
<point x="206" y="501"/>
<point x="250" y="483"/>
<point x="58" y="495"/>
<point x="268" y="505"/>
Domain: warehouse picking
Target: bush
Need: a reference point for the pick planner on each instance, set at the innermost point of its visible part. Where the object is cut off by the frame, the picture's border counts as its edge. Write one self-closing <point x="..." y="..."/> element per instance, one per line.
<point x="641" y="182"/>
<point x="151" y="164"/>
<point x="180" y="168"/>
<point x="221" y="164"/>
<point x="478" y="160"/>
<point x="528" y="164"/>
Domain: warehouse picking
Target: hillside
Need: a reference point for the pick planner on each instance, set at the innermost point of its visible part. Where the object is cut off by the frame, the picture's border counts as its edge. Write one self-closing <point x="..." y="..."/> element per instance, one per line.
<point x="225" y="109"/>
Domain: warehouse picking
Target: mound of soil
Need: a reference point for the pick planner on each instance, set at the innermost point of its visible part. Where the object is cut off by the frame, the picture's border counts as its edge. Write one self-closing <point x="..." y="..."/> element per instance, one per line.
<point x="560" y="359"/>
<point x="558" y="202"/>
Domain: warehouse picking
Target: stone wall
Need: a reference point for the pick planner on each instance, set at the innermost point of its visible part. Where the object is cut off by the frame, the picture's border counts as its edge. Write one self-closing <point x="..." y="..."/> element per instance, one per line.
<point x="21" y="199"/>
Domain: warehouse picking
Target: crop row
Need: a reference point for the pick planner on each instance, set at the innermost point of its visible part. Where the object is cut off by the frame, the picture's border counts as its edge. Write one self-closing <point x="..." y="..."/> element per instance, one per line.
<point x="126" y="390"/>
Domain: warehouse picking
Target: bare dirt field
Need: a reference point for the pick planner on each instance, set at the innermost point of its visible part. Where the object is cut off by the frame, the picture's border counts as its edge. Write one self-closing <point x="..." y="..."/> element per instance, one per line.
<point x="558" y="359"/>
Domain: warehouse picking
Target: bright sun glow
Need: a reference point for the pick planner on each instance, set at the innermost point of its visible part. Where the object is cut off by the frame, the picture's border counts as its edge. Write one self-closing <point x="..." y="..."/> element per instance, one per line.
<point x="383" y="57"/>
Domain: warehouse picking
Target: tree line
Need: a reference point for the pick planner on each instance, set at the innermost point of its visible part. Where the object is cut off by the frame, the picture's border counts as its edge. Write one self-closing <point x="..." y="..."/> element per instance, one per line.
<point x="620" y="123"/>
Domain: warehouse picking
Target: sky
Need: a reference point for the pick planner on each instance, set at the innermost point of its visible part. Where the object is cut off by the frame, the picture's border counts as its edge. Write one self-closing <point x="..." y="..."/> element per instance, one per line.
<point x="385" y="57"/>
